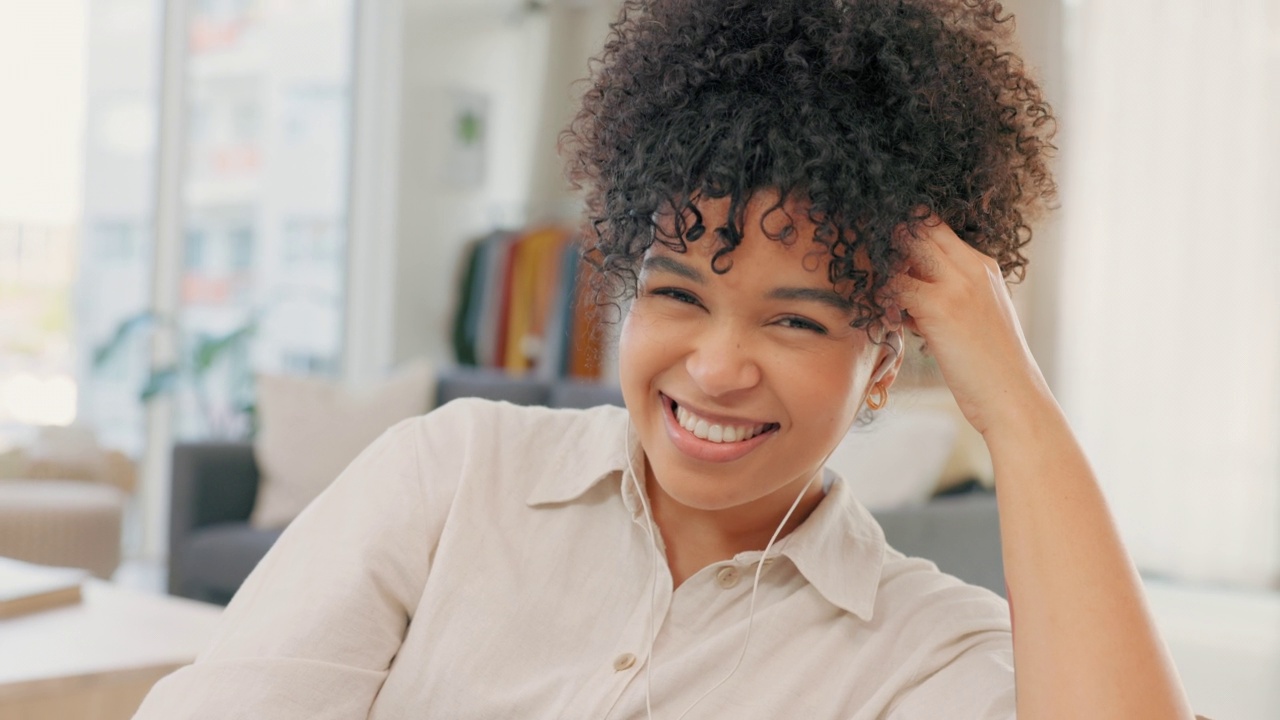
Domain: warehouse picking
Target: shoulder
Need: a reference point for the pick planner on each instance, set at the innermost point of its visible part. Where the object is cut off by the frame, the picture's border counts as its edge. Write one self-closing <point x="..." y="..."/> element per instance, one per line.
<point x="959" y="635"/>
<point x="958" y="638"/>
<point x="921" y="598"/>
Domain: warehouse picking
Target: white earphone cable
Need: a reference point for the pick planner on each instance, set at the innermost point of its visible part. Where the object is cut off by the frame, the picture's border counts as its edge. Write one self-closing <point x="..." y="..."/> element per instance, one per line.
<point x="755" y="585"/>
<point x="895" y="342"/>
<point x="653" y="585"/>
<point x="653" y="576"/>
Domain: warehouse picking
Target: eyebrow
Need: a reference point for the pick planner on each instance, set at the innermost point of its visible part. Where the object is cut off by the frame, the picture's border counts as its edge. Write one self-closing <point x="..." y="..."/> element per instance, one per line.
<point x="824" y="297"/>
<point x="673" y="266"/>
<point x="829" y="298"/>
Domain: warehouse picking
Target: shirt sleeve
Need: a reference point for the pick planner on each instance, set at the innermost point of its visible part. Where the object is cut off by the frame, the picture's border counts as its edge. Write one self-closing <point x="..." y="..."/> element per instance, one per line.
<point x="961" y="648"/>
<point x="977" y="683"/>
<point x="312" y="632"/>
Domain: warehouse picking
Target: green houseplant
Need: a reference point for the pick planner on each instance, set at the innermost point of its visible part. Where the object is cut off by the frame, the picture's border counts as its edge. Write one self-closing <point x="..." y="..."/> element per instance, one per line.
<point x="199" y="355"/>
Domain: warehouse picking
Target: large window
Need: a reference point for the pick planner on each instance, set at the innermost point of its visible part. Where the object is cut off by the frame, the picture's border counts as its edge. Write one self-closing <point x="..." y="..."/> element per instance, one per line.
<point x="264" y="201"/>
<point x="117" y="237"/>
<point x="264" y="96"/>
<point x="265" y="130"/>
<point x="56" y="226"/>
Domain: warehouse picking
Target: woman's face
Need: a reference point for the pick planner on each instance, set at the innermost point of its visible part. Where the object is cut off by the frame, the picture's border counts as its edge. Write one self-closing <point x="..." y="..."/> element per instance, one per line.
<point x="740" y="384"/>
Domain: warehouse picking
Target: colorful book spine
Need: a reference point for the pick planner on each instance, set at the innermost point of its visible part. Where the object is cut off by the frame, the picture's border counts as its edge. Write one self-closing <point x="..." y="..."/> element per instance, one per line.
<point x="524" y="306"/>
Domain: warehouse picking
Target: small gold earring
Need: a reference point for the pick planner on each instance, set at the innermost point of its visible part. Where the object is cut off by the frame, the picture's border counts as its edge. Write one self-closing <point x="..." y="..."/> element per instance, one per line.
<point x="881" y="393"/>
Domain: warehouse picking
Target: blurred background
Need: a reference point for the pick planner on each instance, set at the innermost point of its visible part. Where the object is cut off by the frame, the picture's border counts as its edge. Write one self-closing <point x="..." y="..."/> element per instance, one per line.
<point x="199" y="198"/>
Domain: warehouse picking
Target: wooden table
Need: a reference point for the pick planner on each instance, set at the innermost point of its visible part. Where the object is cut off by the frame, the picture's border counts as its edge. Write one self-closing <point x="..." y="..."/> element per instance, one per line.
<point x="98" y="659"/>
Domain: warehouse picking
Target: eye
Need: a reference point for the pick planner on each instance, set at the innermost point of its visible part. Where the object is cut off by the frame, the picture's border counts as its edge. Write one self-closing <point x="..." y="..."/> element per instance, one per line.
<point x="799" y="323"/>
<point x="676" y="294"/>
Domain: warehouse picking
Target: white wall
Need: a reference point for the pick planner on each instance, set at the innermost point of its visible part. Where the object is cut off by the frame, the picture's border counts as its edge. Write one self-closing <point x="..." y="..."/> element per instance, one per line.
<point x="525" y="61"/>
<point x="480" y="50"/>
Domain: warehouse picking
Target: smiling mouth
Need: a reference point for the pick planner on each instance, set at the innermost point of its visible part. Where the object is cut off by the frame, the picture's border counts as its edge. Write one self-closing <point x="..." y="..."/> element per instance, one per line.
<point x="723" y="433"/>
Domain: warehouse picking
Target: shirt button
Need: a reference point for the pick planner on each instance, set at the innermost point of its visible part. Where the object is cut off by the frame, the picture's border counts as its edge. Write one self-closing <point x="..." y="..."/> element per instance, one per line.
<point x="728" y="576"/>
<point x="624" y="661"/>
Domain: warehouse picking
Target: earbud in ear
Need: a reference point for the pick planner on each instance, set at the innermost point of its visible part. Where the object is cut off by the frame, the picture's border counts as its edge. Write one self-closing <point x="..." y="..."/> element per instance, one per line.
<point x="894" y="341"/>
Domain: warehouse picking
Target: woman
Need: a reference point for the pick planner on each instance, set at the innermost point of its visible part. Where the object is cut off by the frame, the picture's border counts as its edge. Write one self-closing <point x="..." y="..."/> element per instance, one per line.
<point x="779" y="190"/>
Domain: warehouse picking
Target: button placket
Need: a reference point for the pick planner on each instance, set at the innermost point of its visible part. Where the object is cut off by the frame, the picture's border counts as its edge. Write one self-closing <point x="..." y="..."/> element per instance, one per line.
<point x="624" y="662"/>
<point x="630" y="653"/>
<point x="728" y="576"/>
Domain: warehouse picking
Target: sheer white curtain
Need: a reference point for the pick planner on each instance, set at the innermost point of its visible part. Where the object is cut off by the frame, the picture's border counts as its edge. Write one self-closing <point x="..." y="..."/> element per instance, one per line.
<point x="1170" y="346"/>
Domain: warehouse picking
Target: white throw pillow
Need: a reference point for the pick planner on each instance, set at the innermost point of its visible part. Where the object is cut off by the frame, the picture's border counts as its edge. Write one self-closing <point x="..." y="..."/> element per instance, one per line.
<point x="310" y="429"/>
<point x="68" y="452"/>
<point x="897" y="459"/>
<point x="969" y="459"/>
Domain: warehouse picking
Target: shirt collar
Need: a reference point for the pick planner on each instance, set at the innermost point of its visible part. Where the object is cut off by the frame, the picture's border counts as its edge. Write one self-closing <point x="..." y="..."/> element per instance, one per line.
<point x="839" y="548"/>
<point x="603" y="454"/>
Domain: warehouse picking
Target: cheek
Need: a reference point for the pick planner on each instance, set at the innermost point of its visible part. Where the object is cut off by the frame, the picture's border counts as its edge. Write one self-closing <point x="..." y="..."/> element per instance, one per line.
<point x="825" y="395"/>
<point x="826" y="403"/>
<point x="647" y="326"/>
<point x="626" y="354"/>
<point x="640" y="346"/>
<point x="632" y="339"/>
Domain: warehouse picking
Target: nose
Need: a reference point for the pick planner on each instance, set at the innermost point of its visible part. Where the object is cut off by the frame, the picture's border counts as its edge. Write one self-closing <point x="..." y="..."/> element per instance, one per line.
<point x="722" y="362"/>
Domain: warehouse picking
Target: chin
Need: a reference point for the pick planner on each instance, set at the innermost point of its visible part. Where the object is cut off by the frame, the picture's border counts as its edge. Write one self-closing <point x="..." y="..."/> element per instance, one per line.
<point x="701" y="494"/>
<point x="701" y="490"/>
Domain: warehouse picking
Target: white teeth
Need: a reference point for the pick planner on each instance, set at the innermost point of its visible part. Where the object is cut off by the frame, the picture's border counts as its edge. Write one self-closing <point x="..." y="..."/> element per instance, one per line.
<point x="715" y="433"/>
<point x="701" y="429"/>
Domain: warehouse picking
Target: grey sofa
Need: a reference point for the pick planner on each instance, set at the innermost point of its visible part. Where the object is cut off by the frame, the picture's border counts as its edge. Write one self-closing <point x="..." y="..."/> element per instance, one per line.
<point x="212" y="547"/>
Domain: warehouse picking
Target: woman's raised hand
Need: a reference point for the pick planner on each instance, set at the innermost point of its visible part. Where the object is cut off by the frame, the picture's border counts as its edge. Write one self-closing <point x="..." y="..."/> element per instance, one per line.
<point x="956" y="298"/>
<point x="1082" y="619"/>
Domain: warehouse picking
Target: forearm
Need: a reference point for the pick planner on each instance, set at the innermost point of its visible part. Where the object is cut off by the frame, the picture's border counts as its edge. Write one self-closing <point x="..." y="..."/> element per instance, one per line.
<point x="1084" y="642"/>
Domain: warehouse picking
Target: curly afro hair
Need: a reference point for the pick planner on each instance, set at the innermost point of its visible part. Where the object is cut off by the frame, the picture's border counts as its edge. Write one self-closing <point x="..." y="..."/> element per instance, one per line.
<point x="874" y="113"/>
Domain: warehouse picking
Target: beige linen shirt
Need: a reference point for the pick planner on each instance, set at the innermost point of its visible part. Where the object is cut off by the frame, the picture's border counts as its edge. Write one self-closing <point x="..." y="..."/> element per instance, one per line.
<point x="491" y="561"/>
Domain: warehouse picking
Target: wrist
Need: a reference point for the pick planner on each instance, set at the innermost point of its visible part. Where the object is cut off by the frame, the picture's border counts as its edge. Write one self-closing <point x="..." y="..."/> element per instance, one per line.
<point x="1025" y="412"/>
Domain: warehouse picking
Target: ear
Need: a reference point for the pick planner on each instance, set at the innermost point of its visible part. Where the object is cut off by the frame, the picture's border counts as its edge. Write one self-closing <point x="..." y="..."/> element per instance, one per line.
<point x="891" y="356"/>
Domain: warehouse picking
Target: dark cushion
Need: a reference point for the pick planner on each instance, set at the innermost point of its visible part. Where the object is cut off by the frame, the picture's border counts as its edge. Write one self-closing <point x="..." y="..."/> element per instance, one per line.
<point x="579" y="394"/>
<point x="959" y="533"/>
<point x="224" y="554"/>
<point x="492" y="385"/>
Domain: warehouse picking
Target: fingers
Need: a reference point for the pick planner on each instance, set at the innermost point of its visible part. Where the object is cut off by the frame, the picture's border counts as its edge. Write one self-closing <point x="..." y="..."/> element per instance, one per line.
<point x="934" y="250"/>
<point x="926" y="259"/>
<point x="905" y="296"/>
<point x="939" y="265"/>
<point x="928" y="255"/>
<point x="954" y="247"/>
<point x="944" y="238"/>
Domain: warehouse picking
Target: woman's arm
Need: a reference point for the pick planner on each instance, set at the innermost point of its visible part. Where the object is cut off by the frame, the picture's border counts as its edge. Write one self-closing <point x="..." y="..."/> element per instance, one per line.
<point x="1084" y="642"/>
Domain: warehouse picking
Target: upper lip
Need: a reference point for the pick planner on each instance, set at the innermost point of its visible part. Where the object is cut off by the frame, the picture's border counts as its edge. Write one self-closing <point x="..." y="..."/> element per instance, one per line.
<point x="715" y="418"/>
